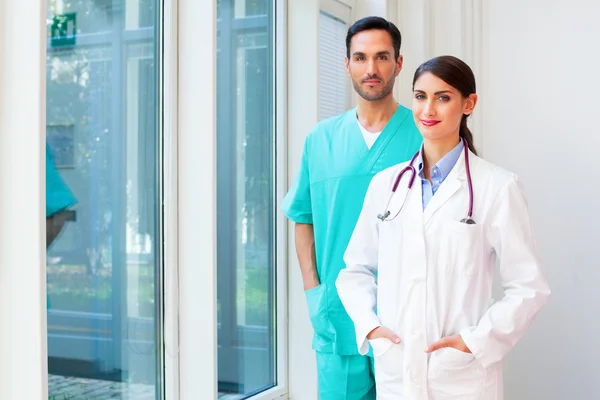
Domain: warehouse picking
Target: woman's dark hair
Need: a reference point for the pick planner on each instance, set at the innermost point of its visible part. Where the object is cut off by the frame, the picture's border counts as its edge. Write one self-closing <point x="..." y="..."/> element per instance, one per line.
<point x="457" y="74"/>
<point x="369" y="23"/>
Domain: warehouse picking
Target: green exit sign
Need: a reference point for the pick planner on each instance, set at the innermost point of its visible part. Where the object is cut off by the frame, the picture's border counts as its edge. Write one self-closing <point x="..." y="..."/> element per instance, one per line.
<point x="63" y="30"/>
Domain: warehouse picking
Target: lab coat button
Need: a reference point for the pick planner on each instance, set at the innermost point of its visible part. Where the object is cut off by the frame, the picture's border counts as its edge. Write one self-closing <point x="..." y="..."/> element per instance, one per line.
<point x="416" y="333"/>
<point x="413" y="375"/>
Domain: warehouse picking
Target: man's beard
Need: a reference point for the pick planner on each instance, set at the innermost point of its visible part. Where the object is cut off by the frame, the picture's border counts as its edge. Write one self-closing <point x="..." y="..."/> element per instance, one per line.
<point x="385" y="90"/>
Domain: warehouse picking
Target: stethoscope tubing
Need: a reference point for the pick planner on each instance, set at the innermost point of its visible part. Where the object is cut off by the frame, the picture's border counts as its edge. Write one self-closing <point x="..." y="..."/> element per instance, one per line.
<point x="413" y="174"/>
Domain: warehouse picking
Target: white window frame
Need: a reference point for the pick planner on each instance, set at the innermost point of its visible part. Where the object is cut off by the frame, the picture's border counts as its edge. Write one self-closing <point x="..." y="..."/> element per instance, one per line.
<point x="23" y="312"/>
<point x="189" y="187"/>
<point x="190" y="201"/>
<point x="168" y="86"/>
<point x="23" y="328"/>
<point x="194" y="155"/>
<point x="280" y="391"/>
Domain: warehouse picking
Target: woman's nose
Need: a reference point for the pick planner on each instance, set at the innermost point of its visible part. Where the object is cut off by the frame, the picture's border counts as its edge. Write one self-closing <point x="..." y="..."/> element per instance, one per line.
<point x="429" y="109"/>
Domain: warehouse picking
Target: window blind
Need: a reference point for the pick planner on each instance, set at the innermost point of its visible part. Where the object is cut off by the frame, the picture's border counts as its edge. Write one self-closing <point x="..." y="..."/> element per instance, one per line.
<point x="333" y="80"/>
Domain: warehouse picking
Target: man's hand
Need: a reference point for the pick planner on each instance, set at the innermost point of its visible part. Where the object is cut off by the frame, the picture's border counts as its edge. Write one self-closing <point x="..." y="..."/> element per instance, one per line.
<point x="455" y="341"/>
<point x="383" y="332"/>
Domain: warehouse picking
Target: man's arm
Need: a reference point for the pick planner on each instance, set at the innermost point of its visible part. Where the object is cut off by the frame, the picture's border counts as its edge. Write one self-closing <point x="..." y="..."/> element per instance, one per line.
<point x="55" y="224"/>
<point x="305" y="249"/>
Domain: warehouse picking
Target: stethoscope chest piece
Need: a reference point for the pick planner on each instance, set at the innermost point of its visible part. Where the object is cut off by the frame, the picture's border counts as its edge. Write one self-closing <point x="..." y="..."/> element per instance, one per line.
<point x="383" y="216"/>
<point x="468" y="221"/>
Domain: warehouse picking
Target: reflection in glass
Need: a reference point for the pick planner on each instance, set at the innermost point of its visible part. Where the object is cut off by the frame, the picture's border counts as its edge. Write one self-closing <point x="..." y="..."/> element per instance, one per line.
<point x="102" y="136"/>
<point x="245" y="197"/>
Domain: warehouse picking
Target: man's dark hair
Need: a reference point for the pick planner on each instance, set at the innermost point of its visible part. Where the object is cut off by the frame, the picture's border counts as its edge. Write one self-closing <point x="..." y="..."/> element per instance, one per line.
<point x="370" y="23"/>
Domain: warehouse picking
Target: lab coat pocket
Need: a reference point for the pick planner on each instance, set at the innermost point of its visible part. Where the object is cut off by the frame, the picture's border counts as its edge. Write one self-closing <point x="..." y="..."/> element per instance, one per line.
<point x="389" y="361"/>
<point x="380" y="346"/>
<point x="465" y="243"/>
<point x="454" y="374"/>
<point x="455" y="359"/>
<point x="318" y="311"/>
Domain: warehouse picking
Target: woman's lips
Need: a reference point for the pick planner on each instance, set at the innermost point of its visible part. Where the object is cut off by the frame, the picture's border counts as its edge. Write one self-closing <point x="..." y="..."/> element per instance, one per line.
<point x="429" y="122"/>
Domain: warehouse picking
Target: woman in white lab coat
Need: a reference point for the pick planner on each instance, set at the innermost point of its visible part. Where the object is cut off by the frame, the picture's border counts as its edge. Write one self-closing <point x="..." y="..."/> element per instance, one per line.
<point x="420" y="263"/>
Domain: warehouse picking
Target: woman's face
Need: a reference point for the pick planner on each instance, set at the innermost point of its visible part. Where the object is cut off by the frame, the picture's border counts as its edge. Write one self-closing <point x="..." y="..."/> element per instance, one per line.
<point x="438" y="108"/>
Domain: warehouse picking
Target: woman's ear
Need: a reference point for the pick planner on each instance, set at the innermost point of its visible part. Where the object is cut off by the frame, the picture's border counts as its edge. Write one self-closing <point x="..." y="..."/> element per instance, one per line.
<point x="469" y="104"/>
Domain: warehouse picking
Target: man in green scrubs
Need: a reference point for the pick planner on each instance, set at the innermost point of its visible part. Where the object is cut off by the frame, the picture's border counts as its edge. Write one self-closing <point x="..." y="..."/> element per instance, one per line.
<point x="340" y="157"/>
<point x="58" y="199"/>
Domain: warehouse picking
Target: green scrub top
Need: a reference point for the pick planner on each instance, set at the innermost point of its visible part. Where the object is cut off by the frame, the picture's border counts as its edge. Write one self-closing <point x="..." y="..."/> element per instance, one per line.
<point x="328" y="192"/>
<point x="58" y="195"/>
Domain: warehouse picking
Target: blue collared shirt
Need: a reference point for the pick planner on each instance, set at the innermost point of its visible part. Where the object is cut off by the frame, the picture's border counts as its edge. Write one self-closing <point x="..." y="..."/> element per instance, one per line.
<point x="439" y="172"/>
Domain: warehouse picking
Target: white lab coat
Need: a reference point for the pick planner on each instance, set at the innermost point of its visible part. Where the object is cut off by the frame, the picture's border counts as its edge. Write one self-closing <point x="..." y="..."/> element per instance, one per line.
<point x="425" y="275"/>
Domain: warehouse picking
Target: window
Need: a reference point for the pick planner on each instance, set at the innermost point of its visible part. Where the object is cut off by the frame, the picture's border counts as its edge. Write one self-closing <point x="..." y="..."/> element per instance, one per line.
<point x="333" y="80"/>
<point x="246" y="207"/>
<point x="103" y="197"/>
<point x="334" y="91"/>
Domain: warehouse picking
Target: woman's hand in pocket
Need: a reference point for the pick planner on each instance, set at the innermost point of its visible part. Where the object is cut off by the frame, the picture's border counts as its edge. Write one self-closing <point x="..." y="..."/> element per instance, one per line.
<point x="454" y="341"/>
<point x="381" y="332"/>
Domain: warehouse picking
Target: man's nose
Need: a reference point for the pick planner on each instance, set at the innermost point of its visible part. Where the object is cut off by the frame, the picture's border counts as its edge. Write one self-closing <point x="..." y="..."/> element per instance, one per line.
<point x="372" y="67"/>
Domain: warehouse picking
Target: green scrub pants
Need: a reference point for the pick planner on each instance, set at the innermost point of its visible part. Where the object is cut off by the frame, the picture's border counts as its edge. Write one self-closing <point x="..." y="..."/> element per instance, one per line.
<point x="345" y="377"/>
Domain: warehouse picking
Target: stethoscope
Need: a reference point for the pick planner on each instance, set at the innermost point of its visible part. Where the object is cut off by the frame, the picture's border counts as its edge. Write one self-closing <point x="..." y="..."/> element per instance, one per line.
<point x="413" y="173"/>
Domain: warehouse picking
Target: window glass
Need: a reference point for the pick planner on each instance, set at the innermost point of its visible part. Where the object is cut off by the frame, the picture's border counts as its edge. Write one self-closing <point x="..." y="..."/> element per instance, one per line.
<point x="245" y="197"/>
<point x="102" y="199"/>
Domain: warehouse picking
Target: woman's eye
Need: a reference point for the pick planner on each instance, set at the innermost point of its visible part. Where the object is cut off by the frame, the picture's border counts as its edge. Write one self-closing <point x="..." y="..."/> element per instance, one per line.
<point x="444" y="98"/>
<point x="419" y="96"/>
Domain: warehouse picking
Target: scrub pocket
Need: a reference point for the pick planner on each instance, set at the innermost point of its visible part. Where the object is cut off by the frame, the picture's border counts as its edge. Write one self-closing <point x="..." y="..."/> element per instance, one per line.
<point x="465" y="243"/>
<point x="318" y="311"/>
<point x="454" y="374"/>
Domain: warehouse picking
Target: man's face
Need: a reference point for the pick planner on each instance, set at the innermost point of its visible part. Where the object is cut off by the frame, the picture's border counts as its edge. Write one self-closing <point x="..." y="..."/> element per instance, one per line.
<point x="372" y="64"/>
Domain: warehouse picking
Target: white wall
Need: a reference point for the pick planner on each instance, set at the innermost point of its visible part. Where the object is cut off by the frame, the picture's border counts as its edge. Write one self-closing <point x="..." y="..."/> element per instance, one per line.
<point x="540" y="92"/>
<point x="364" y="8"/>
<point x="536" y="64"/>
<point x="302" y="116"/>
<point x="436" y="27"/>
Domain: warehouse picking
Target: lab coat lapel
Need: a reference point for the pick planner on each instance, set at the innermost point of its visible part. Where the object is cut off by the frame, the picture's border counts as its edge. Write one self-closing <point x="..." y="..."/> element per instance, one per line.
<point x="453" y="182"/>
